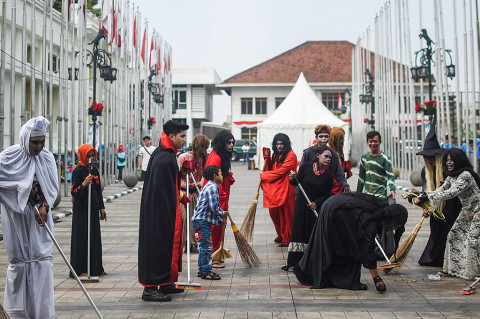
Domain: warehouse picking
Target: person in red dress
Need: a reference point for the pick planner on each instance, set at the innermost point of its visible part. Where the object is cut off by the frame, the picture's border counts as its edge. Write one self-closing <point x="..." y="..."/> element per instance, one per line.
<point x="278" y="193"/>
<point x="221" y="156"/>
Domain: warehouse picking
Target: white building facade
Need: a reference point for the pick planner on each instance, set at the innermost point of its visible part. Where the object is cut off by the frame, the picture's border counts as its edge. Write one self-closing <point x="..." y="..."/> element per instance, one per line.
<point x="193" y="91"/>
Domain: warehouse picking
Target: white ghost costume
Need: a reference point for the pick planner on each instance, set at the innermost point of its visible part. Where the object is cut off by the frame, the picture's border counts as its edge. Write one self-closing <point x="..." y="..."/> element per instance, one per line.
<point x="29" y="288"/>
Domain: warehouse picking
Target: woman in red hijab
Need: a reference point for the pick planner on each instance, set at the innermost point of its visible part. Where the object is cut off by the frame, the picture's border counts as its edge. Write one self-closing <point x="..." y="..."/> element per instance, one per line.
<point x="86" y="173"/>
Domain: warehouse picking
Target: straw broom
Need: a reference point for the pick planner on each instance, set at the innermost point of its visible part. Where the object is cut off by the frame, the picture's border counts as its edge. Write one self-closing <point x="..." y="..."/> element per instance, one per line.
<point x="402" y="252"/>
<point x="221" y="253"/>
<point x="248" y="224"/>
<point x="3" y="314"/>
<point x="248" y="255"/>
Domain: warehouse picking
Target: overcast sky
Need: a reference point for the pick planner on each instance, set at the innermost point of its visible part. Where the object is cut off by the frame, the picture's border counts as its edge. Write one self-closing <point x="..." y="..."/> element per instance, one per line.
<point x="232" y="36"/>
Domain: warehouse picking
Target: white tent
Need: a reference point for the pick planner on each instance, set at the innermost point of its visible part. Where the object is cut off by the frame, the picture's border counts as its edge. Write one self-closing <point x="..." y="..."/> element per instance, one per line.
<point x="297" y="117"/>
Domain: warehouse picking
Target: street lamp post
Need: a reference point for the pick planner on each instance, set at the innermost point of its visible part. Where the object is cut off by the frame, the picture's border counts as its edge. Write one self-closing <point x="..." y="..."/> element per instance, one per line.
<point x="424" y="70"/>
<point x="107" y="72"/>
<point x="367" y="97"/>
<point x="149" y="122"/>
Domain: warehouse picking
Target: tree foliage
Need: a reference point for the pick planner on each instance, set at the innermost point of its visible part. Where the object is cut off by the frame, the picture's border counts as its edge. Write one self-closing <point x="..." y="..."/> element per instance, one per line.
<point x="91" y="4"/>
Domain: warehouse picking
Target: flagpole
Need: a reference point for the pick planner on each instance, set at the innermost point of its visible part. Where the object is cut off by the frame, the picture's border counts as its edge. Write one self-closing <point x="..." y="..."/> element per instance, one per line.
<point x="33" y="64"/>
<point x="23" y="115"/>
<point x="2" y="74"/>
<point x="467" y="99"/>
<point x="472" y="79"/>
<point x="50" y="76"/>
<point x="13" y="74"/>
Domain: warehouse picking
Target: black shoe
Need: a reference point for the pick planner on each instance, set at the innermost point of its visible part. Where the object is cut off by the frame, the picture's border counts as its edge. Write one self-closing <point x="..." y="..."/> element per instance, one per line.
<point x="194" y="249"/>
<point x="363" y="286"/>
<point x="152" y="294"/>
<point x="170" y="289"/>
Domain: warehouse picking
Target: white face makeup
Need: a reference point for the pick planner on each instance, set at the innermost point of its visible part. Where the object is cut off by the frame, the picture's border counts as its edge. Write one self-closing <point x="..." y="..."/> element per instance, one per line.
<point x="450" y="163"/>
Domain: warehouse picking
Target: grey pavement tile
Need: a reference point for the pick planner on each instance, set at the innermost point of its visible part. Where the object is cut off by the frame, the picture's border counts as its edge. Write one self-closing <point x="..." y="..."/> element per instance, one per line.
<point x="332" y="315"/>
<point x="430" y="315"/>
<point x="406" y="315"/>
<point x="382" y="315"/>
<point x="235" y="315"/>
<point x="259" y="315"/>
<point x="357" y="315"/>
<point x="308" y="315"/>
<point x="283" y="315"/>
<point x="259" y="294"/>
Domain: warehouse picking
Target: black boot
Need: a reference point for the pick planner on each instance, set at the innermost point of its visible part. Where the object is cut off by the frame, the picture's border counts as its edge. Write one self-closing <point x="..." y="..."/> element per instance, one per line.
<point x="170" y="289"/>
<point x="153" y="294"/>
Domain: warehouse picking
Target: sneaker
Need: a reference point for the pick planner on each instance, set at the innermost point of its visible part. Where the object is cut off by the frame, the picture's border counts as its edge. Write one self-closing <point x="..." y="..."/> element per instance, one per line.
<point x="152" y="294"/>
<point x="170" y="289"/>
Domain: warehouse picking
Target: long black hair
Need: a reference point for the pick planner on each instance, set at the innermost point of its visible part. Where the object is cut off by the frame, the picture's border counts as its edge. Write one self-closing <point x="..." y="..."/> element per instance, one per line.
<point x="460" y="164"/>
<point x="218" y="144"/>
<point x="287" y="147"/>
<point x="375" y="208"/>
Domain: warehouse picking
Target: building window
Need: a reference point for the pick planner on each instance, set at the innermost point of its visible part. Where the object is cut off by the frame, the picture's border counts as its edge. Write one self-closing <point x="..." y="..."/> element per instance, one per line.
<point x="249" y="133"/>
<point x="331" y="100"/>
<point x="180" y="96"/>
<point x="247" y="106"/>
<point x="29" y="53"/>
<point x="278" y="101"/>
<point x="261" y="106"/>
<point x="28" y="96"/>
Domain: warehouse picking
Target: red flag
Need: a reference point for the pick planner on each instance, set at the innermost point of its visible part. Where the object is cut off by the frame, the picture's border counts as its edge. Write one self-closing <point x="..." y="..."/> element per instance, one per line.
<point x="154" y="58"/>
<point x="142" y="53"/>
<point x="339" y="104"/>
<point x="135" y="32"/>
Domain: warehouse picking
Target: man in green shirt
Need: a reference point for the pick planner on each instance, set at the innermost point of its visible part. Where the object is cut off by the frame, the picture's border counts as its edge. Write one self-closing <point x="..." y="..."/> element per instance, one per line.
<point x="376" y="170"/>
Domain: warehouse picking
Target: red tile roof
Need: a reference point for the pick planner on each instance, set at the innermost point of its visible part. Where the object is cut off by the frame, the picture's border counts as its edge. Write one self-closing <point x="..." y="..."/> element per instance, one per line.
<point x="320" y="61"/>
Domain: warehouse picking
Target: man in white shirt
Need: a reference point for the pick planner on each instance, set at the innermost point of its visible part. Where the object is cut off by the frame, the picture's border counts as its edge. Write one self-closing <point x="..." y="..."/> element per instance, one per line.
<point x="144" y="156"/>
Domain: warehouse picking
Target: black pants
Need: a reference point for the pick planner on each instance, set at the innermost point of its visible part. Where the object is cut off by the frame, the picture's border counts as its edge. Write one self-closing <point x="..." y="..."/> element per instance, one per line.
<point x="120" y="170"/>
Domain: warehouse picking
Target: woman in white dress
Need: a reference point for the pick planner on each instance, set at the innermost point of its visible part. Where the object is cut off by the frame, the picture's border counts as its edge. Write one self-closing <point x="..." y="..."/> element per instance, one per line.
<point x="462" y="250"/>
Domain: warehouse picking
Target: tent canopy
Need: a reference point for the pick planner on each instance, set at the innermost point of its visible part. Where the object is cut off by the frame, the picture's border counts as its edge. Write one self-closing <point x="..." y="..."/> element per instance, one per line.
<point x="297" y="117"/>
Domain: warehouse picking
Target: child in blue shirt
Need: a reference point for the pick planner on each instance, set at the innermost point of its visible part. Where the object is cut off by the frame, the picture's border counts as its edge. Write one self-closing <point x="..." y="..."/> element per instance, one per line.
<point x="208" y="212"/>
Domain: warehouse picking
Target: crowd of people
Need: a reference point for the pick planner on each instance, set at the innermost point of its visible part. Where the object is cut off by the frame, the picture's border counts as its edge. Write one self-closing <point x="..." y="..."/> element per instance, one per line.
<point x="328" y="230"/>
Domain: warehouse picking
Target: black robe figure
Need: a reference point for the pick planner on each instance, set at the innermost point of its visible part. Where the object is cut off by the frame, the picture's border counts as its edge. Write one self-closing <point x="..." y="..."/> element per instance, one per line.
<point x="79" y="244"/>
<point x="318" y="188"/>
<point x="431" y="180"/>
<point x="160" y="233"/>
<point x="343" y="240"/>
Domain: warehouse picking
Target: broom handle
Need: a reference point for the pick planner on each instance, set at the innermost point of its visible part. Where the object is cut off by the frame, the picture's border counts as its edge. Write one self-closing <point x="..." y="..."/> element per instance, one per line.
<point x="230" y="217"/>
<point x="304" y="194"/>
<point x="189" y="280"/>
<point x="383" y="252"/>
<point x="419" y="225"/>
<point x="67" y="262"/>
<point x="89" y="218"/>
<point x="195" y="182"/>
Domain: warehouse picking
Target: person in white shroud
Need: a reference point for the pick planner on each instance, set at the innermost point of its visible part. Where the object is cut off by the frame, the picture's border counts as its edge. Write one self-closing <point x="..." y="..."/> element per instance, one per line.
<point x="27" y="170"/>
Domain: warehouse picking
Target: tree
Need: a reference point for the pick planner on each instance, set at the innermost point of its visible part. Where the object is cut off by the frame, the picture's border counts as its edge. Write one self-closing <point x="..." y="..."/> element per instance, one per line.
<point x="91" y="4"/>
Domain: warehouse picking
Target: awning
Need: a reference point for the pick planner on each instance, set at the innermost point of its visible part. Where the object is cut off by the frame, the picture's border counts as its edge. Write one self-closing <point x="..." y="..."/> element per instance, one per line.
<point x="246" y="124"/>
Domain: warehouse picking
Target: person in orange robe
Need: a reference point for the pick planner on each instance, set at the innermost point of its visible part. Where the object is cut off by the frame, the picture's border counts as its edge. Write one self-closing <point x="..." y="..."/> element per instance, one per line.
<point x="278" y="193"/>
<point x="221" y="156"/>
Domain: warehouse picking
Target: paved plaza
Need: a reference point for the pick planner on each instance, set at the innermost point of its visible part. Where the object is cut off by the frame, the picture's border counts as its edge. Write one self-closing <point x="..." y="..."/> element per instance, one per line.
<point x="264" y="292"/>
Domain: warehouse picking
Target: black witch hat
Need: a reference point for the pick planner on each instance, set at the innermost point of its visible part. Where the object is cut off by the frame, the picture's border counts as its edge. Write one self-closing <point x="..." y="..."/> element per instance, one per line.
<point x="431" y="146"/>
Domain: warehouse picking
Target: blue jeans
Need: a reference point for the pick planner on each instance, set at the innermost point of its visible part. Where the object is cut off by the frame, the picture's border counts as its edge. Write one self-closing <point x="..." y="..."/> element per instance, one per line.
<point x="205" y="245"/>
<point x="245" y="157"/>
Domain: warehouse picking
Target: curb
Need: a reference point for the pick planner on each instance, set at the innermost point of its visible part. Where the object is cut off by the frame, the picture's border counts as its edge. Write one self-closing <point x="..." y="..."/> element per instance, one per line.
<point x="106" y="199"/>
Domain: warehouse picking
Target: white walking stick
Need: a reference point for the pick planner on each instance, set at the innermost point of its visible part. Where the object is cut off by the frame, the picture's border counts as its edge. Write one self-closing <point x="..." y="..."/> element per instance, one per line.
<point x="66" y="261"/>
<point x="304" y="194"/>
<point x="89" y="221"/>
<point x="188" y="284"/>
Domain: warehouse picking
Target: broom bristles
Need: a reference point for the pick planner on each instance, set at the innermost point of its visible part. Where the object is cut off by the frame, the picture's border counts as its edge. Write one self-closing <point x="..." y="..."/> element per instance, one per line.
<point x="221" y="253"/>
<point x="248" y="224"/>
<point x="402" y="251"/>
<point x="248" y="255"/>
<point x="3" y="314"/>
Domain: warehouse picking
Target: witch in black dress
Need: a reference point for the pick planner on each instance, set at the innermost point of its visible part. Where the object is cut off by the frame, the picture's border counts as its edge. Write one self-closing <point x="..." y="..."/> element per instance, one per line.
<point x="79" y="247"/>
<point x="344" y="238"/>
<point x="317" y="182"/>
<point x="432" y="177"/>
